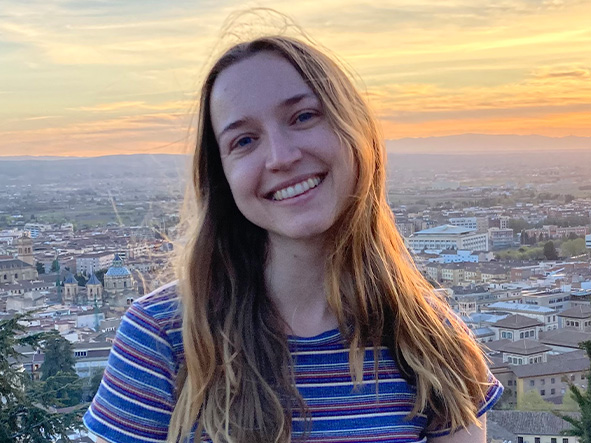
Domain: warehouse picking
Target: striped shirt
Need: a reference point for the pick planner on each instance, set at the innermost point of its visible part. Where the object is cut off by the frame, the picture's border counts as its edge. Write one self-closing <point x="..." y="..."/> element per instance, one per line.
<point x="136" y="397"/>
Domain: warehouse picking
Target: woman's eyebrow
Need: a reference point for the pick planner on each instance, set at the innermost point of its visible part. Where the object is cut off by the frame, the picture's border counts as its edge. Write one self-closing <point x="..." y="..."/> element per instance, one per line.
<point x="284" y="104"/>
<point x="296" y="99"/>
<point x="234" y="125"/>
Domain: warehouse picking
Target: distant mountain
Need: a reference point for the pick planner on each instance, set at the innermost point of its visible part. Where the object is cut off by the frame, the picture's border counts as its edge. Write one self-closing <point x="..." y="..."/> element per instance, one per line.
<point x="71" y="170"/>
<point x="485" y="143"/>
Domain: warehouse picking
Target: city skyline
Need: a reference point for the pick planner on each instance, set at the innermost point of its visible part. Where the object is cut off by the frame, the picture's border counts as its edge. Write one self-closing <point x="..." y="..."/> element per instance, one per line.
<point x="101" y="78"/>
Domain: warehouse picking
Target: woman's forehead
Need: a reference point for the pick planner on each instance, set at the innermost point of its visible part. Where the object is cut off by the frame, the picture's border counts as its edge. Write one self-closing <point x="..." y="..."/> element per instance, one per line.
<point x="258" y="83"/>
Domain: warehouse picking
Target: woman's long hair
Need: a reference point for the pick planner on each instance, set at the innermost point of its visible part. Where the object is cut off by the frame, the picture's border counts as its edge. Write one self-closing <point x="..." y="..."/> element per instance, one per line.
<point x="238" y="384"/>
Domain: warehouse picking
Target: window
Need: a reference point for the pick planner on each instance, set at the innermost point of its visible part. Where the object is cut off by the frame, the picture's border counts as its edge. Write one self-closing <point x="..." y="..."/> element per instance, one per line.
<point x="552" y="380"/>
<point x="572" y="377"/>
<point x="537" y="440"/>
<point x="532" y="382"/>
<point x="553" y="440"/>
<point x="565" y="440"/>
<point x="543" y="392"/>
<point x="543" y="381"/>
<point x="519" y="439"/>
<point x="582" y="376"/>
<point x="509" y="382"/>
<point x="552" y="391"/>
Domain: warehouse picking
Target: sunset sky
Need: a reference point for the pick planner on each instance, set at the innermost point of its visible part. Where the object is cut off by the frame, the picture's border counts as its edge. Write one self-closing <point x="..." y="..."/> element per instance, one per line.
<point x="99" y="77"/>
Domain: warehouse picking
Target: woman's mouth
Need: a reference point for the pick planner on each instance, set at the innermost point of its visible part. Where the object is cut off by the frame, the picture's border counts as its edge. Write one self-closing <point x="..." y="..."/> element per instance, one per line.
<point x="296" y="189"/>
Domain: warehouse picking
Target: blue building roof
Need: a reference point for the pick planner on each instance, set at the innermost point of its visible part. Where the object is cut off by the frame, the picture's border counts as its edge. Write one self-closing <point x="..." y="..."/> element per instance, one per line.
<point x="93" y="280"/>
<point x="70" y="279"/>
<point x="520" y="307"/>
<point x="117" y="269"/>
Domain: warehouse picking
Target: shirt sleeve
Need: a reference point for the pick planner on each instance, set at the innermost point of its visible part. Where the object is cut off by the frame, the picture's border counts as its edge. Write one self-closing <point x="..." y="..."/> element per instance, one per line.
<point x="493" y="394"/>
<point x="136" y="396"/>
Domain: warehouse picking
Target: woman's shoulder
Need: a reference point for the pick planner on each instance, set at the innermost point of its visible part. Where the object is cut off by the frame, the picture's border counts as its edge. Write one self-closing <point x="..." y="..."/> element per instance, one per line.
<point x="160" y="311"/>
<point x="162" y="302"/>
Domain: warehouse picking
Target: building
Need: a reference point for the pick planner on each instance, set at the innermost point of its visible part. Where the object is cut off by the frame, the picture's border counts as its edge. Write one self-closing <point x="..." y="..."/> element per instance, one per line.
<point x="93" y="262"/>
<point x="578" y="318"/>
<point x="90" y="358"/>
<point x="553" y="231"/>
<point x="500" y="238"/>
<point x="24" y="247"/>
<point x="479" y="224"/>
<point x="447" y="237"/>
<point x="15" y="270"/>
<point x="527" y="427"/>
<point x="517" y="327"/>
<point x="547" y="378"/>
<point x="71" y="289"/>
<point x="548" y="317"/>
<point x="588" y="241"/>
<point x="524" y="352"/>
<point x="118" y="278"/>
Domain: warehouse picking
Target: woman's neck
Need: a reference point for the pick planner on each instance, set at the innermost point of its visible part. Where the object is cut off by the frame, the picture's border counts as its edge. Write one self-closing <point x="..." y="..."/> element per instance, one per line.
<point x="295" y="280"/>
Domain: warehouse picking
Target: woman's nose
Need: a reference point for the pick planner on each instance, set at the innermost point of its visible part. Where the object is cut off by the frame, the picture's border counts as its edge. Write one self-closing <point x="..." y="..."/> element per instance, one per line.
<point x="283" y="151"/>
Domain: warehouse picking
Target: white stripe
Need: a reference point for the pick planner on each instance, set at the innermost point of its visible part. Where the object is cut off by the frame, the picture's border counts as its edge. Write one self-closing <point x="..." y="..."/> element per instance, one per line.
<point x="135" y="365"/>
<point x="137" y="326"/>
<point x="351" y="417"/>
<point x="333" y="351"/>
<point x="347" y="383"/>
<point x="110" y="426"/>
<point x="129" y="399"/>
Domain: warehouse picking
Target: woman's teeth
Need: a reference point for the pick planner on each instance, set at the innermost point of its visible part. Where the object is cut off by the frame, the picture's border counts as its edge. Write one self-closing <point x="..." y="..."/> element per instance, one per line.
<point x="297" y="189"/>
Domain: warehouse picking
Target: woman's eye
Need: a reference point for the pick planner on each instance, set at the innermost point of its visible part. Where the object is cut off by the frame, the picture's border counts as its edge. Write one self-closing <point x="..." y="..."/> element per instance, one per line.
<point x="241" y="142"/>
<point x="304" y="116"/>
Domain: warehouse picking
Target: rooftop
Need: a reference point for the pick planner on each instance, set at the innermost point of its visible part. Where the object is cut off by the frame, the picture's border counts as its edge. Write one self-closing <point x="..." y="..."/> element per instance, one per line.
<point x="528" y="422"/>
<point x="446" y="230"/>
<point x="517" y="321"/>
<point x="577" y="312"/>
<point x="524" y="347"/>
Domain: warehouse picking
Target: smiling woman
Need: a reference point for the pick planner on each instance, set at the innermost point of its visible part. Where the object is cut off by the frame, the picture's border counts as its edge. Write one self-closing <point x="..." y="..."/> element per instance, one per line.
<point x="298" y="314"/>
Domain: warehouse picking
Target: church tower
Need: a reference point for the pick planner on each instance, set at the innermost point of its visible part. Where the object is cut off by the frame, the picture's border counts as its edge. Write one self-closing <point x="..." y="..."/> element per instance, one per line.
<point x="70" y="293"/>
<point x="94" y="290"/>
<point x="24" y="247"/>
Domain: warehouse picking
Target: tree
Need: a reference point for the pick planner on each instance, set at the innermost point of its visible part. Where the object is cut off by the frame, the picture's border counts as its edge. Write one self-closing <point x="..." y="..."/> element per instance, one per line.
<point x="25" y="416"/>
<point x="550" y="251"/>
<point x="59" y="357"/>
<point x="55" y="265"/>
<point x="100" y="274"/>
<point x="533" y="401"/>
<point x="571" y="248"/>
<point x="80" y="279"/>
<point x="63" y="390"/>
<point x="95" y="382"/>
<point x="581" y="427"/>
<point x="40" y="268"/>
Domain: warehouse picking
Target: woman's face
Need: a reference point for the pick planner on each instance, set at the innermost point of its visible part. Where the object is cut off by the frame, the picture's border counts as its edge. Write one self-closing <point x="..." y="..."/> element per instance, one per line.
<point x="287" y="170"/>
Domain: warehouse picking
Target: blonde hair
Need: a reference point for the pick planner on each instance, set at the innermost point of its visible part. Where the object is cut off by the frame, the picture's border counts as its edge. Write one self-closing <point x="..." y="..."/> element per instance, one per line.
<point x="238" y="382"/>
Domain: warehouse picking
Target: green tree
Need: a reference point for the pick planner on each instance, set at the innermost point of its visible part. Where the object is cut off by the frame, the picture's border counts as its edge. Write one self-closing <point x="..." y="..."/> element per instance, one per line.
<point x="100" y="274"/>
<point x="59" y="357"/>
<point x="571" y="248"/>
<point x="581" y="427"/>
<point x="25" y="416"/>
<point x="63" y="390"/>
<point x="550" y="251"/>
<point x="95" y="382"/>
<point x="533" y="401"/>
<point x="40" y="268"/>
<point x="55" y="265"/>
<point x="80" y="279"/>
